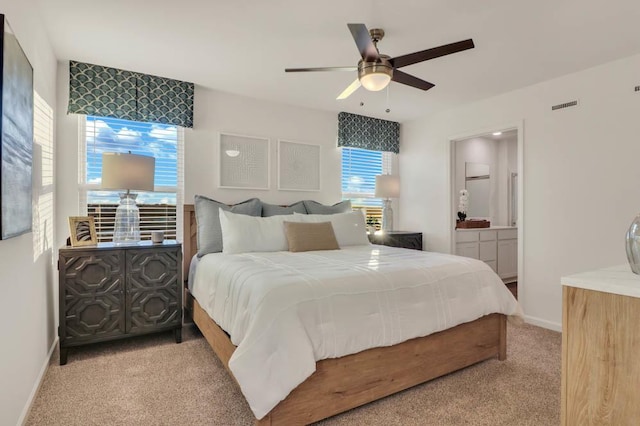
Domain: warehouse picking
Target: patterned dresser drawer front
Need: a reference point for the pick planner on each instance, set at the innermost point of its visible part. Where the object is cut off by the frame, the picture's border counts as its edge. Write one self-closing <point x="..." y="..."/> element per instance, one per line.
<point x="91" y="295"/>
<point x="154" y="298"/>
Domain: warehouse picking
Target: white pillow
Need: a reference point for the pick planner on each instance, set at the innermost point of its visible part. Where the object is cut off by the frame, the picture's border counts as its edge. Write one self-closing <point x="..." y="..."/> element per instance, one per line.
<point x="350" y="228"/>
<point x="244" y="234"/>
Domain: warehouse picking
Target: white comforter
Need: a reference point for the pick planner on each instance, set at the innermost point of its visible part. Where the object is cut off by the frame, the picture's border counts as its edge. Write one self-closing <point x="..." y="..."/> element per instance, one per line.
<point x="284" y="311"/>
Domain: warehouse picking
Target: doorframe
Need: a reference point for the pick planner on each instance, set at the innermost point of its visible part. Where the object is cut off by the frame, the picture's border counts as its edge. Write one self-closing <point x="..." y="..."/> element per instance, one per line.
<point x="519" y="127"/>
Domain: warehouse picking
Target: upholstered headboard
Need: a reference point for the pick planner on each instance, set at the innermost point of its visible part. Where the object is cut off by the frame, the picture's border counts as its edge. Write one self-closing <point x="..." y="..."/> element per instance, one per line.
<point x="190" y="238"/>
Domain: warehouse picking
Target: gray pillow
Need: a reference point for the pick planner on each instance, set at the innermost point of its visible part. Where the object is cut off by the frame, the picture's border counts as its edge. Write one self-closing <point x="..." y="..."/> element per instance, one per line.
<point x="274" y="210"/>
<point x="208" y="219"/>
<point x="314" y="207"/>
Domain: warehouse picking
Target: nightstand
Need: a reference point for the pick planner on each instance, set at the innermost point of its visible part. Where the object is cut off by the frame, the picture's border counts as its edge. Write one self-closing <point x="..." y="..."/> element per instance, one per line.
<point x="111" y="291"/>
<point x="402" y="239"/>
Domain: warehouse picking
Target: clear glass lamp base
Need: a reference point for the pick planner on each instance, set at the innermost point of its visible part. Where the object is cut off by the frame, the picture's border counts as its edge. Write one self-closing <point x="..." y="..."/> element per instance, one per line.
<point x="127" y="225"/>
<point x="387" y="216"/>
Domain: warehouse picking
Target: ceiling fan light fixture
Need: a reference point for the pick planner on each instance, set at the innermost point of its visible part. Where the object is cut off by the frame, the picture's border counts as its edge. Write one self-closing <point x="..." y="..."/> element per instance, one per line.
<point x="375" y="70"/>
<point x="375" y="81"/>
<point x="375" y="76"/>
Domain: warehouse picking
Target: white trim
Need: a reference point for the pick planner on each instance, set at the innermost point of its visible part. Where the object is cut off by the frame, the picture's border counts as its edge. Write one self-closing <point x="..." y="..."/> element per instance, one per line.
<point x="36" y="386"/>
<point x="550" y="325"/>
<point x="179" y="184"/>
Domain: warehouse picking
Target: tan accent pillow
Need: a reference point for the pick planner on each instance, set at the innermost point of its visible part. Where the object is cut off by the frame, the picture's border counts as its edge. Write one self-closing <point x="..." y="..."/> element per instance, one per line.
<point x="310" y="236"/>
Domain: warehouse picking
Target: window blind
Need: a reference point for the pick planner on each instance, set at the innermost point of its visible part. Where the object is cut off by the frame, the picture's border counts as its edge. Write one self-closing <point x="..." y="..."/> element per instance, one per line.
<point x="159" y="210"/>
<point x="359" y="170"/>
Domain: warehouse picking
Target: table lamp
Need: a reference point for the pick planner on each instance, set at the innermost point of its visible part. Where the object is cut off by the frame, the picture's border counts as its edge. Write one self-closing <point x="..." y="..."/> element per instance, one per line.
<point x="127" y="172"/>
<point x="387" y="186"/>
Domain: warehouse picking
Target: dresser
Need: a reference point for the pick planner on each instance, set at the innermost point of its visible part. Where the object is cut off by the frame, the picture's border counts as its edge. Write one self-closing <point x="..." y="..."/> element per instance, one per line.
<point x="402" y="239"/>
<point x="600" y="347"/>
<point x="109" y="292"/>
<point x="496" y="246"/>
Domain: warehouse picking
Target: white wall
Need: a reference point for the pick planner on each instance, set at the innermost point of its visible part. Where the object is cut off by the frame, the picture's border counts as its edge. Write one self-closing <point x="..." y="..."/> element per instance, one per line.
<point x="580" y="175"/>
<point x="27" y="289"/>
<point x="221" y="112"/>
<point x="215" y="112"/>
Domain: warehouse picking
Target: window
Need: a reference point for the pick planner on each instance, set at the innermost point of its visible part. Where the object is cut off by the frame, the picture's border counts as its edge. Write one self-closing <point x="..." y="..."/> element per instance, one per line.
<point x="159" y="210"/>
<point x="359" y="170"/>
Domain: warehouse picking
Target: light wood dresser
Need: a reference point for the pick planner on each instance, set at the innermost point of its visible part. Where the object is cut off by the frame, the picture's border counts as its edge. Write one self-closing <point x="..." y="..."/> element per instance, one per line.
<point x="601" y="348"/>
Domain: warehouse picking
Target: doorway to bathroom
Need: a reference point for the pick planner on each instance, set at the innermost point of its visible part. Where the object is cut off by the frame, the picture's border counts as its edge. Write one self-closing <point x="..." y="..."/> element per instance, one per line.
<point x="486" y="191"/>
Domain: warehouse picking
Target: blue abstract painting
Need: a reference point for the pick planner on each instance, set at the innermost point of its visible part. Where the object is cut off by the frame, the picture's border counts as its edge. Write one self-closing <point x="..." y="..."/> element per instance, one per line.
<point x="16" y="137"/>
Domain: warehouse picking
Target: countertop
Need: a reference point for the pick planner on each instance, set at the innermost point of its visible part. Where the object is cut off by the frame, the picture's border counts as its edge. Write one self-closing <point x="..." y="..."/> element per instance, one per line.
<point x="615" y="280"/>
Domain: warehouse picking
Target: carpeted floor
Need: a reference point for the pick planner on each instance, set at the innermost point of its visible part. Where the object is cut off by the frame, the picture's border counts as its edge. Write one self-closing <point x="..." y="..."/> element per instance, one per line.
<point x="151" y="380"/>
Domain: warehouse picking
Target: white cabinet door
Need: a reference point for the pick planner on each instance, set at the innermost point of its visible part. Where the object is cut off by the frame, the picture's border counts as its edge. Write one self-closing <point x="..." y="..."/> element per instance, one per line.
<point x="507" y="258"/>
<point x="468" y="250"/>
<point x="493" y="265"/>
<point x="487" y="251"/>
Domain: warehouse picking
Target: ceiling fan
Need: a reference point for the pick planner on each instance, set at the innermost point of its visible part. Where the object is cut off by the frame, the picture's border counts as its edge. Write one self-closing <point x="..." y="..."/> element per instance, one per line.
<point x="375" y="70"/>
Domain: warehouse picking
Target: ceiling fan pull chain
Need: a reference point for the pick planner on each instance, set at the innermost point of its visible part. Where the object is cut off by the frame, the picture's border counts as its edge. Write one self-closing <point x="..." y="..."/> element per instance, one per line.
<point x="388" y="110"/>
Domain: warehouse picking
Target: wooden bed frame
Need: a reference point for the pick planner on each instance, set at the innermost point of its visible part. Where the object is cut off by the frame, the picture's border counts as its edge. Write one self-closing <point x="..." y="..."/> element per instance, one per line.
<point x="340" y="384"/>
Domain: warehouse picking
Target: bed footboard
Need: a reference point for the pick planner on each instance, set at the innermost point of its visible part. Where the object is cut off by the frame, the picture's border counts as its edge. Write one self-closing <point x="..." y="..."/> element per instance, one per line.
<point x="340" y="384"/>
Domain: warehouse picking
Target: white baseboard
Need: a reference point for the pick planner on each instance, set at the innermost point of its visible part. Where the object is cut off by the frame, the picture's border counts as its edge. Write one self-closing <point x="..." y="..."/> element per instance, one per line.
<point x="36" y="386"/>
<point x="543" y="323"/>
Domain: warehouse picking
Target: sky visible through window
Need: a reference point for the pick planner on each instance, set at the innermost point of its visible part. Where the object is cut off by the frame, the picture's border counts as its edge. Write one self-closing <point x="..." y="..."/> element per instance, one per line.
<point x="152" y="139"/>
<point x="359" y="170"/>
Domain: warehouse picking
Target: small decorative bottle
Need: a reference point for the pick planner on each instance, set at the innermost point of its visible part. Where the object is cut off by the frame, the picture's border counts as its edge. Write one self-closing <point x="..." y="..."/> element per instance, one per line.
<point x="463" y="204"/>
<point x="633" y="245"/>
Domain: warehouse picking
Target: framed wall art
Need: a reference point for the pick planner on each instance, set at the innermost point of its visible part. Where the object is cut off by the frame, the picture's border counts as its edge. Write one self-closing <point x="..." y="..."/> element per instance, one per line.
<point x="244" y="162"/>
<point x="298" y="166"/>
<point x="82" y="230"/>
<point x="16" y="136"/>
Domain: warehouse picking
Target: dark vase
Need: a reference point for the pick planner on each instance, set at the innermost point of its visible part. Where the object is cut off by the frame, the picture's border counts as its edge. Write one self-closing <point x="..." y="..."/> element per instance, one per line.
<point x="462" y="216"/>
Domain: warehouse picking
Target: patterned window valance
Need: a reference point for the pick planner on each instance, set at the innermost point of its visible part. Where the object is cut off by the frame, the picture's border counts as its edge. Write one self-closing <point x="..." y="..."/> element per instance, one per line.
<point x="358" y="131"/>
<point x="110" y="92"/>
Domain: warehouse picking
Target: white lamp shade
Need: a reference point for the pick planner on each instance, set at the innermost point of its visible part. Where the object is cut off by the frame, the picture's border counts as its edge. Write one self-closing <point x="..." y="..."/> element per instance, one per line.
<point x="127" y="171"/>
<point x="375" y="81"/>
<point x="387" y="186"/>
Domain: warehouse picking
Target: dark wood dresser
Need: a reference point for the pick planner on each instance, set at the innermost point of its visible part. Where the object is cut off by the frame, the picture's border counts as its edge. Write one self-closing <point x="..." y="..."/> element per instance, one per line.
<point x="402" y="239"/>
<point x="110" y="291"/>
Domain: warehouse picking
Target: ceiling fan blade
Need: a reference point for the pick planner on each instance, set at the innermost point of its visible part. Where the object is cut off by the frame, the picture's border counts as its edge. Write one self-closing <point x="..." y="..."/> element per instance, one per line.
<point x="361" y="36"/>
<point x="409" y="80"/>
<point x="436" y="52"/>
<point x="349" y="90"/>
<point x="321" y="69"/>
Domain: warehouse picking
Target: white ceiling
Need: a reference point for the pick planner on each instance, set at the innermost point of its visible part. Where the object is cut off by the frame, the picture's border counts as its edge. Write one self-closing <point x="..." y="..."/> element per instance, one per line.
<point x="243" y="46"/>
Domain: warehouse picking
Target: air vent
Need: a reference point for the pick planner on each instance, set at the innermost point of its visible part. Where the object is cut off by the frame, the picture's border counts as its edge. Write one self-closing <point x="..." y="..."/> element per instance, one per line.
<point x="564" y="105"/>
<point x="637" y="89"/>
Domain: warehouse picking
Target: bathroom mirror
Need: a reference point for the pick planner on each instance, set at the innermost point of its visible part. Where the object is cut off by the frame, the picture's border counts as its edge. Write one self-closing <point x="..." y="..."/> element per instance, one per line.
<point x="478" y="183"/>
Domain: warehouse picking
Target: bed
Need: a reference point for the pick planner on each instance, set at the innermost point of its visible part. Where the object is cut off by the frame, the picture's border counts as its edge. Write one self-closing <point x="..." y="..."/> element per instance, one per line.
<point x="341" y="383"/>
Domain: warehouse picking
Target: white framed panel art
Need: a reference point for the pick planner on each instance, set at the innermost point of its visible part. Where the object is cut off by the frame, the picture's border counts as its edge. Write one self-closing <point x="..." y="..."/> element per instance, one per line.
<point x="298" y="166"/>
<point x="244" y="162"/>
